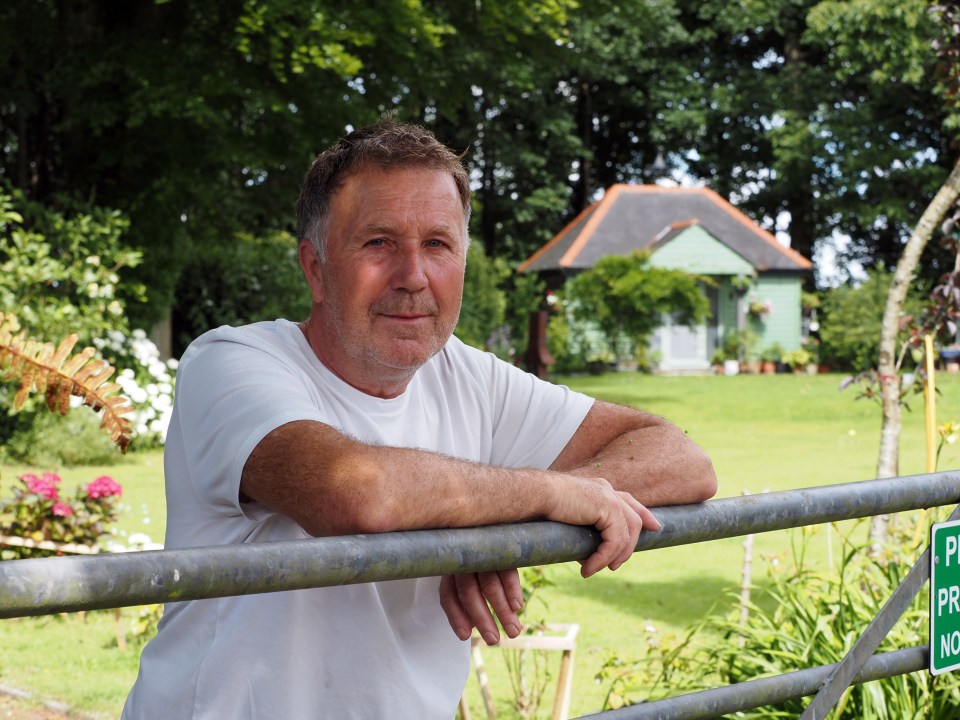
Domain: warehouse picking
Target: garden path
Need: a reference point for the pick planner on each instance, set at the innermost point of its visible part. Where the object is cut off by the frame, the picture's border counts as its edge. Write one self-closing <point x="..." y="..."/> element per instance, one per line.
<point x="12" y="708"/>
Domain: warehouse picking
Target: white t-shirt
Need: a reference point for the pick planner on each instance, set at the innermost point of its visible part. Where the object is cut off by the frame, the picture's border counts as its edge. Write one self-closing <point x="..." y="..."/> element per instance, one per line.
<point x="375" y="650"/>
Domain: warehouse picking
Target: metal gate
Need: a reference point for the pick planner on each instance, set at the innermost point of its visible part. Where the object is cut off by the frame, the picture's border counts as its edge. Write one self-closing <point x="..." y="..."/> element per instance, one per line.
<point x="68" y="584"/>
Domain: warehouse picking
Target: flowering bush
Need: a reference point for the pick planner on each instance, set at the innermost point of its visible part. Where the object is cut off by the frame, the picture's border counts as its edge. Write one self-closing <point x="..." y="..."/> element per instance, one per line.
<point x="38" y="512"/>
<point x="146" y="379"/>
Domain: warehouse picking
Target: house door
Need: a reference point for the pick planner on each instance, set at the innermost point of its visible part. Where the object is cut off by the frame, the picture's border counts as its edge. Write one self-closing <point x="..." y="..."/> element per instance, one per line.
<point x="685" y="348"/>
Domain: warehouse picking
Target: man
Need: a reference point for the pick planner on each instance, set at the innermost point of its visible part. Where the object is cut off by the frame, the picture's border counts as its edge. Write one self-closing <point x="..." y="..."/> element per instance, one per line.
<point x="370" y="417"/>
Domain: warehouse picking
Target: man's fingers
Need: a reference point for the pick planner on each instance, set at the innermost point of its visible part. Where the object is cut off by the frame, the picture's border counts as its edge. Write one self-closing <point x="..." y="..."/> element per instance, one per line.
<point x="512" y="589"/>
<point x="620" y="534"/>
<point x="650" y="521"/>
<point x="464" y="599"/>
<point x="493" y="585"/>
<point x="450" y="602"/>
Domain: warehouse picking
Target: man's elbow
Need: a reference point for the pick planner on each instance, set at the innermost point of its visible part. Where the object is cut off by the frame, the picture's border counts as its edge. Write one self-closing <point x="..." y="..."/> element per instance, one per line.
<point x="702" y="478"/>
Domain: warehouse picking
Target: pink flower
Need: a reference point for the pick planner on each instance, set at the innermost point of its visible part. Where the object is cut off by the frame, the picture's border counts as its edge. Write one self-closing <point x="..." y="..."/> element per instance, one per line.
<point x="43" y="486"/>
<point x="103" y="486"/>
<point x="61" y="509"/>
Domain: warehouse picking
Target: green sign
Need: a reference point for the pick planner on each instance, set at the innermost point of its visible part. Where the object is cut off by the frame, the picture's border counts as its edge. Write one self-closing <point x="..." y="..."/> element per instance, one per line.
<point x="945" y="597"/>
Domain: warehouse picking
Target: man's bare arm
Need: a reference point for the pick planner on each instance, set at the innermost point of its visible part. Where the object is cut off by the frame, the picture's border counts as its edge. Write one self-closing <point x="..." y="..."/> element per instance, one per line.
<point x="643" y="454"/>
<point x="333" y="485"/>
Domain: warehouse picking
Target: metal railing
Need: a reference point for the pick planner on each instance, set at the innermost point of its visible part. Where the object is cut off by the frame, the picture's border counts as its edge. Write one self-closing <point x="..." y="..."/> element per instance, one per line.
<point x="67" y="584"/>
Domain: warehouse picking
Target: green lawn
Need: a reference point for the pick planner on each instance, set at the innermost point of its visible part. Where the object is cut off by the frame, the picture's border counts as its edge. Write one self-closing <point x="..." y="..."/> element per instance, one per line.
<point x="763" y="433"/>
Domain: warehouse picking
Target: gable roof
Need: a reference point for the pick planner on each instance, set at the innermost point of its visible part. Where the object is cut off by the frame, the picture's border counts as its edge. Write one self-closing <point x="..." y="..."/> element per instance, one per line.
<point x="636" y="217"/>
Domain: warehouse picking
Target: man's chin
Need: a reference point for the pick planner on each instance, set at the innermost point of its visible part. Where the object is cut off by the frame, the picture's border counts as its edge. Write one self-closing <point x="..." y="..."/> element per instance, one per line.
<point x="408" y="354"/>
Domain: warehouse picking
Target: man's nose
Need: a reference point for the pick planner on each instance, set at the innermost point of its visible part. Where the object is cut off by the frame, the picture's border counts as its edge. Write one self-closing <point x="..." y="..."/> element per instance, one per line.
<point x="410" y="272"/>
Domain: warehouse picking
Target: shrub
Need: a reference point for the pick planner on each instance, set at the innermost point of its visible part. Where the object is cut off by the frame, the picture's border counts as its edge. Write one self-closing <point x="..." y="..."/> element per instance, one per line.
<point x="851" y="319"/>
<point x="37" y="511"/>
<point x="805" y="618"/>
<point x="484" y="303"/>
<point x="146" y="379"/>
<point x="251" y="279"/>
<point x="49" y="440"/>
<point x="627" y="297"/>
<point x="64" y="269"/>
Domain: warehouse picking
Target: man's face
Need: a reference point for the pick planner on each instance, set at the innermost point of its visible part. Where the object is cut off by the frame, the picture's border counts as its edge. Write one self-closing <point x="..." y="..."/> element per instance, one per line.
<point x="388" y="296"/>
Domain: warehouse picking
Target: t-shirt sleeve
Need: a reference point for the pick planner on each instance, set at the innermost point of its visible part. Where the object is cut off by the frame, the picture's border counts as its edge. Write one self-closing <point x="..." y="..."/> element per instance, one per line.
<point x="230" y="395"/>
<point x="533" y="419"/>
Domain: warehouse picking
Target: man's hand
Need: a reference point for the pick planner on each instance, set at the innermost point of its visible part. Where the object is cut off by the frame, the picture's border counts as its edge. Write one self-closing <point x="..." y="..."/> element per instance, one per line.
<point x="464" y="599"/>
<point x="616" y="514"/>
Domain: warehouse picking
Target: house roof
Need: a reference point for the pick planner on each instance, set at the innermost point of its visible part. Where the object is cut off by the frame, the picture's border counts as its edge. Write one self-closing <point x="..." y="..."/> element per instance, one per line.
<point x="636" y="217"/>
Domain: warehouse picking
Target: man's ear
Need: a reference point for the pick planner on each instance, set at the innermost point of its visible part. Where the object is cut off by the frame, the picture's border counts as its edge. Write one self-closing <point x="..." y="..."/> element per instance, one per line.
<point x="310" y="264"/>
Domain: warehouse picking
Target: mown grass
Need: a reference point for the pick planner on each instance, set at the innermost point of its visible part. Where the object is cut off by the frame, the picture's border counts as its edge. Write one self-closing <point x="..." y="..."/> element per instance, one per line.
<point x="763" y="433"/>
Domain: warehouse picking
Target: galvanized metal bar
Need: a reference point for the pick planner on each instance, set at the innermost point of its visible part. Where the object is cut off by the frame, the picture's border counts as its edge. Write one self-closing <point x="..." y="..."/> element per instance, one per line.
<point x="717" y="702"/>
<point x="51" y="585"/>
<point x="840" y="678"/>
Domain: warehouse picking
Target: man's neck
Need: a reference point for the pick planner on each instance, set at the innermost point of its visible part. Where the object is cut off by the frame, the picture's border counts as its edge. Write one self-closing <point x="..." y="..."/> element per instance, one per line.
<point x="384" y="386"/>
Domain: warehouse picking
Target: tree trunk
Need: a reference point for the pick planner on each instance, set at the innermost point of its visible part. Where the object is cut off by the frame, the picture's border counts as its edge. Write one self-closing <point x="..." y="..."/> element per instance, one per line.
<point x="888" y="460"/>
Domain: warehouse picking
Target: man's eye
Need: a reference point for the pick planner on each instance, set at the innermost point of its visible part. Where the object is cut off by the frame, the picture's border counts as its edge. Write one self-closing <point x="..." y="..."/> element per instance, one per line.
<point x="376" y="242"/>
<point x="436" y="243"/>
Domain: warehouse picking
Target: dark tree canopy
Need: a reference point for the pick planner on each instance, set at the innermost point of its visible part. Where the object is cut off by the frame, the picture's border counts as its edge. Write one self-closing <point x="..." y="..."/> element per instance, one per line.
<point x="197" y="118"/>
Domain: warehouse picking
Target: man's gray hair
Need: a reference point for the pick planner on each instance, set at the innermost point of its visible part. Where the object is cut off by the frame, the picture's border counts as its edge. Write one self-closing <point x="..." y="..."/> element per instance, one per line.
<point x="388" y="145"/>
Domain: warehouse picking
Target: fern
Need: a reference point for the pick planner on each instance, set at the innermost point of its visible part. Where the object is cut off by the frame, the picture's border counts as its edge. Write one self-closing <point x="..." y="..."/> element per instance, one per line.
<point x="41" y="367"/>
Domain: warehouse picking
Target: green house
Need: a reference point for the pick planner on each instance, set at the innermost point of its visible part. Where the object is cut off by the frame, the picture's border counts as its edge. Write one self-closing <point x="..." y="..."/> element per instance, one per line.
<point x="756" y="281"/>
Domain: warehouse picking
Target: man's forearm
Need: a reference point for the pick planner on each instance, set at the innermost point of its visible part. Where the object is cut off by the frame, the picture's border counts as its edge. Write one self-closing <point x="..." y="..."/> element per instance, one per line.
<point x="645" y="455"/>
<point x="332" y="485"/>
<point x="657" y="464"/>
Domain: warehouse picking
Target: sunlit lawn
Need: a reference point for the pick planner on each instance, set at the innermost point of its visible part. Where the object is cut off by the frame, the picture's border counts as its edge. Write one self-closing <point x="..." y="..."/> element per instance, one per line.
<point x="763" y="433"/>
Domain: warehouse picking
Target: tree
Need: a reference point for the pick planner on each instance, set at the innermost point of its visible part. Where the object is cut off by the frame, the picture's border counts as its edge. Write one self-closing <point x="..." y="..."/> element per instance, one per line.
<point x="627" y="297"/>
<point x="806" y="107"/>
<point x="888" y="458"/>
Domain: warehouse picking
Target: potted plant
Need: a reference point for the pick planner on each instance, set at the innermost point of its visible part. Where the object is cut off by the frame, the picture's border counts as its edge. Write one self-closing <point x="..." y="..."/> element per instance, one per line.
<point x="738" y="346"/>
<point x="799" y="360"/>
<point x="812" y="345"/>
<point x="769" y="358"/>
<point x="759" y="309"/>
<point x="717" y="361"/>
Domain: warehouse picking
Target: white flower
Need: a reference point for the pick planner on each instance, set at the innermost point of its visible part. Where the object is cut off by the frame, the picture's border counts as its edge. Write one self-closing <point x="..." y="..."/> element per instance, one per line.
<point x="139" y="538"/>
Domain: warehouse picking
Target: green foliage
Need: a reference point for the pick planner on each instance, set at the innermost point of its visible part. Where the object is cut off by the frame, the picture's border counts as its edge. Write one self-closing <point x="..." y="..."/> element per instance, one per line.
<point x="45" y="439"/>
<point x="798" y="358"/>
<point x="568" y="352"/>
<point x="829" y="110"/>
<point x="804" y="618"/>
<point x="254" y="278"/>
<point x="65" y="269"/>
<point x="740" y="344"/>
<point x="525" y="293"/>
<point x="626" y="297"/>
<point x="143" y="627"/>
<point x="772" y="353"/>
<point x="851" y="318"/>
<point x="484" y="303"/>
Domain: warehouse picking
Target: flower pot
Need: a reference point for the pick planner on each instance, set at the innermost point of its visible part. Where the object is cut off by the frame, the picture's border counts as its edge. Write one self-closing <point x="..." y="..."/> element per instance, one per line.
<point x="731" y="367"/>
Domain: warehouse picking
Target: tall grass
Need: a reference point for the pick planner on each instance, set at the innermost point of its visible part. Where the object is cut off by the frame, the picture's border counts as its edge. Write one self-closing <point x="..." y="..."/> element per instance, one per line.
<point x="763" y="432"/>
